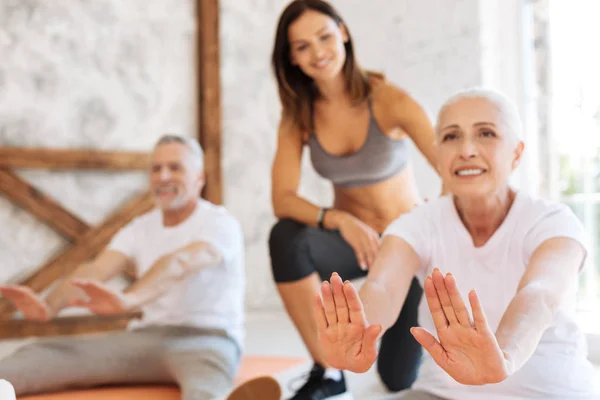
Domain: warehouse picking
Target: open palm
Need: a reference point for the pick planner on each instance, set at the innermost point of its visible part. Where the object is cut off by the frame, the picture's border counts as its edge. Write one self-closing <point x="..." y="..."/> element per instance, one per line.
<point x="467" y="350"/>
<point x="31" y="305"/>
<point x="347" y="341"/>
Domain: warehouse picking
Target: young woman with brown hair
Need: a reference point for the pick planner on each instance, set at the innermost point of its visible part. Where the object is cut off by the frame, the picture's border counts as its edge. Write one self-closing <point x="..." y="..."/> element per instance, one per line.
<point x="356" y="125"/>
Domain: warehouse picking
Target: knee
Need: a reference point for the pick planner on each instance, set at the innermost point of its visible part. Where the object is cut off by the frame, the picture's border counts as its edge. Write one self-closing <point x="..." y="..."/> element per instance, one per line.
<point x="194" y="393"/>
<point x="288" y="249"/>
<point x="398" y="367"/>
<point x="394" y="380"/>
<point x="205" y="387"/>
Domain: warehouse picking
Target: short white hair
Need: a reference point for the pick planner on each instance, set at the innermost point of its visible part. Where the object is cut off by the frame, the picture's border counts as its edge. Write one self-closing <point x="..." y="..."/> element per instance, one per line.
<point x="507" y="108"/>
<point x="192" y="145"/>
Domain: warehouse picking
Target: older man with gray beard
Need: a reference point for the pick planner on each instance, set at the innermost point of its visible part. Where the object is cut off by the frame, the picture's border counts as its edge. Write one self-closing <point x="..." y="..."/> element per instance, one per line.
<point x="189" y="257"/>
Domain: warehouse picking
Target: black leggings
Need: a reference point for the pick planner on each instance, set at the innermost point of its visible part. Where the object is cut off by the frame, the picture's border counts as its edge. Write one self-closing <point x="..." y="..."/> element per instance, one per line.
<point x="298" y="250"/>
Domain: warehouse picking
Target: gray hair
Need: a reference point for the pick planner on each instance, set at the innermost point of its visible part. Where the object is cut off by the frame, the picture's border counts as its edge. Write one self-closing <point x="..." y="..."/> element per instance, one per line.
<point x="192" y="145"/>
<point x="507" y="108"/>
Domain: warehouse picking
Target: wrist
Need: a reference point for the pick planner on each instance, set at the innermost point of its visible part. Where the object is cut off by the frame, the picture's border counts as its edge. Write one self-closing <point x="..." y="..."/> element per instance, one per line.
<point x="333" y="219"/>
<point x="509" y="360"/>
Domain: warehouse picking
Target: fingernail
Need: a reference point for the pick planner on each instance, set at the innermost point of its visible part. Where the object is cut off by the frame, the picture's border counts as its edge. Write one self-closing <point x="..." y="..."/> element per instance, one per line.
<point x="363" y="266"/>
<point x="335" y="273"/>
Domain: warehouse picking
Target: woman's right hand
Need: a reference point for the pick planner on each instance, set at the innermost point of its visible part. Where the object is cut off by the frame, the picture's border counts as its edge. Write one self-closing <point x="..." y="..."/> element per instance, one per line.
<point x="347" y="339"/>
<point x="362" y="238"/>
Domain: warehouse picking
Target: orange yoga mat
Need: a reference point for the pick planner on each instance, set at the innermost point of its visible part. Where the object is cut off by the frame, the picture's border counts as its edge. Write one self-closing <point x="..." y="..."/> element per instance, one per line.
<point x="251" y="367"/>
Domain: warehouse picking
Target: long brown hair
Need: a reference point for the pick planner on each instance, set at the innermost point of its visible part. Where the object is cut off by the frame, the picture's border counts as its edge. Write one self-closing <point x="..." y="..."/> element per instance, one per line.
<point x="297" y="91"/>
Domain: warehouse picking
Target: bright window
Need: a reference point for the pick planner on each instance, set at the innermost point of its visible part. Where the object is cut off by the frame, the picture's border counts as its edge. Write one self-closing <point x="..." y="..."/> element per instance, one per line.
<point x="574" y="130"/>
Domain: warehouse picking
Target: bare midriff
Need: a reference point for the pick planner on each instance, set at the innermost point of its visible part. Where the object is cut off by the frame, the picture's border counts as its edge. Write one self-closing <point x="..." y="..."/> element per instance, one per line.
<point x="379" y="204"/>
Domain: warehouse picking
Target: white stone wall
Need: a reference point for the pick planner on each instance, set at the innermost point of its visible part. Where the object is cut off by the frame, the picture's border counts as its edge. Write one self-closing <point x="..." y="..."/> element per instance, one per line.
<point x="105" y="74"/>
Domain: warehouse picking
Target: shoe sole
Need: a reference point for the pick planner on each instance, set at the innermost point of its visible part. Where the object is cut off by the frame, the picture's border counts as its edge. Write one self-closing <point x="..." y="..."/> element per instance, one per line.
<point x="262" y="388"/>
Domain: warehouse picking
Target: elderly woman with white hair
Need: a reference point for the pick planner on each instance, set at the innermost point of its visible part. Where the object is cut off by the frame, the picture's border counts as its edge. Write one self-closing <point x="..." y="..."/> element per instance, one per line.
<point x="516" y="258"/>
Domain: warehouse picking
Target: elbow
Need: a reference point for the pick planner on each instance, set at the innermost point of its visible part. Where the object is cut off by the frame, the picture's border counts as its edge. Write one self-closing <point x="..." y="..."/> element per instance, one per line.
<point x="187" y="264"/>
<point x="278" y="211"/>
<point x="547" y="301"/>
<point x="279" y="207"/>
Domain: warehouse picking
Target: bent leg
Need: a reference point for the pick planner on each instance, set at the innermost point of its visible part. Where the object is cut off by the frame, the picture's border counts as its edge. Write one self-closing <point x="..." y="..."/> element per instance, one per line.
<point x="203" y="362"/>
<point x="64" y="363"/>
<point x="400" y="354"/>
<point x="416" y="395"/>
<point x="302" y="256"/>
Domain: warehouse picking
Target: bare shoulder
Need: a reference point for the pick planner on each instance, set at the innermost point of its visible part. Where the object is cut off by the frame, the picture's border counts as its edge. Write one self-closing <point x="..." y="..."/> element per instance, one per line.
<point x="394" y="104"/>
<point x="388" y="96"/>
<point x="290" y="131"/>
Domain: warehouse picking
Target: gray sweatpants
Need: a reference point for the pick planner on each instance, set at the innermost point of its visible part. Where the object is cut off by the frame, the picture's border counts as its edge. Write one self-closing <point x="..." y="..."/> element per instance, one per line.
<point x="415" y="395"/>
<point x="202" y="362"/>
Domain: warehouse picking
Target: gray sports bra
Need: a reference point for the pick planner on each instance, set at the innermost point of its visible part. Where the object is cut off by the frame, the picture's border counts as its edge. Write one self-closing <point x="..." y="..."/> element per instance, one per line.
<point x="378" y="159"/>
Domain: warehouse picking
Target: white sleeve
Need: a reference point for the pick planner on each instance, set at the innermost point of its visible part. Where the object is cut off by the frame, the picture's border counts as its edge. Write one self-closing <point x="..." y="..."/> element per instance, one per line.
<point x="225" y="234"/>
<point x="558" y="222"/>
<point x="124" y="240"/>
<point x="414" y="228"/>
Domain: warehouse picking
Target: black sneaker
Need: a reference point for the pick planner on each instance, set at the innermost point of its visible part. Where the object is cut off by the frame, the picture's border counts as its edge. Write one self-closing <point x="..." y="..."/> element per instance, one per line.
<point x="320" y="387"/>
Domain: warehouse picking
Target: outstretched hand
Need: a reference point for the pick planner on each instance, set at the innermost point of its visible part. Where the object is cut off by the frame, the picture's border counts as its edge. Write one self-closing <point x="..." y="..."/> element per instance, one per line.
<point x="467" y="349"/>
<point x="348" y="342"/>
<point x="31" y="305"/>
<point x="102" y="299"/>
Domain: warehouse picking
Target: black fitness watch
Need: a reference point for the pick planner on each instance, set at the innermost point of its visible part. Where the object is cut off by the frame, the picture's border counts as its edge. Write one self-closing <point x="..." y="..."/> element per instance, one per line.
<point x="321" y="217"/>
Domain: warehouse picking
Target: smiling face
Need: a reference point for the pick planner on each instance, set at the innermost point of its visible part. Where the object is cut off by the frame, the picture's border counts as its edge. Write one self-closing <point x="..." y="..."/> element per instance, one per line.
<point x="477" y="149"/>
<point x="175" y="178"/>
<point x="317" y="45"/>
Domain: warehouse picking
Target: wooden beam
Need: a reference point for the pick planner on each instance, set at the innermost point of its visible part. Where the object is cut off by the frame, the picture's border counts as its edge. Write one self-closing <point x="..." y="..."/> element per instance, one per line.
<point x="16" y="157"/>
<point x="88" y="246"/>
<point x="72" y="325"/>
<point x="209" y="96"/>
<point x="42" y="206"/>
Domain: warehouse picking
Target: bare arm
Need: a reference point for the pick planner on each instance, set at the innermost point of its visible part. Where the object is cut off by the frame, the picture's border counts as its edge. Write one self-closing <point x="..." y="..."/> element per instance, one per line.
<point x="104" y="267"/>
<point x="287" y="204"/>
<point x="411" y="117"/>
<point x="170" y="269"/>
<point x="388" y="282"/>
<point x="553" y="268"/>
<point x="285" y="177"/>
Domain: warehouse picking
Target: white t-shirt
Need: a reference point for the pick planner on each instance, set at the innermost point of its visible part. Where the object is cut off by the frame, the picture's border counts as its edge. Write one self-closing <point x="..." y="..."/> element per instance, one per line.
<point x="559" y="368"/>
<point x="211" y="298"/>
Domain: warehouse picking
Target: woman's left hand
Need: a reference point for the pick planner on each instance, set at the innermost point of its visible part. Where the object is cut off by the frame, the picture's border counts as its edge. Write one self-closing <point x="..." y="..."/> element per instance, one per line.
<point x="467" y="349"/>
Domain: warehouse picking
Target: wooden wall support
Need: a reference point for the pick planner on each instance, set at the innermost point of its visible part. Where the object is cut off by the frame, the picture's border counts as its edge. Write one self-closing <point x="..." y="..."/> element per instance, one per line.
<point x="42" y="206"/>
<point x="209" y="96"/>
<point x="84" y="249"/>
<point x="16" y="157"/>
<point x="72" y="325"/>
